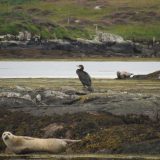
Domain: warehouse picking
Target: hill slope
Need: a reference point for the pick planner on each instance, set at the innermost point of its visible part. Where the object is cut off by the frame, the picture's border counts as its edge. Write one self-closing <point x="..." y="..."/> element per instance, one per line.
<point x="138" y="19"/>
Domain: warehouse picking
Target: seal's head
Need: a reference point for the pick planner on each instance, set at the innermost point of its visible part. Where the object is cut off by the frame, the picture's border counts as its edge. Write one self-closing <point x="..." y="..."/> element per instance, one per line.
<point x="6" y="136"/>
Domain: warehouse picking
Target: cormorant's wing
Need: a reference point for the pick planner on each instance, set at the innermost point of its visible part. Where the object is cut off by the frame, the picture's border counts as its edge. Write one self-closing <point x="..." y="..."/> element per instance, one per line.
<point x="84" y="78"/>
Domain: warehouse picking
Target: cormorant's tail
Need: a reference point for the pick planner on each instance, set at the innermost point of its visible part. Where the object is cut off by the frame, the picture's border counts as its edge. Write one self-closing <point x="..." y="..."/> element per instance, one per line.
<point x="90" y="88"/>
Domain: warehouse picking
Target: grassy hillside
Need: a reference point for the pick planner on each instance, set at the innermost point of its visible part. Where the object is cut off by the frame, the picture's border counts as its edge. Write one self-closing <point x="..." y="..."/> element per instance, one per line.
<point x="133" y="19"/>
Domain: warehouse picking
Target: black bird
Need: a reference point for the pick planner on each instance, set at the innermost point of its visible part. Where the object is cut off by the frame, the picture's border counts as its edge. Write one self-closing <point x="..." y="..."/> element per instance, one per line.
<point x="84" y="77"/>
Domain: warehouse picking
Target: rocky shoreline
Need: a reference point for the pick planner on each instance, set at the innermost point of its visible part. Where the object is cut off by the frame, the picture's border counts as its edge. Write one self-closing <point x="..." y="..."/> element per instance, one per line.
<point x="75" y="49"/>
<point x="103" y="45"/>
<point x="107" y="121"/>
<point x="120" y="116"/>
<point x="49" y="102"/>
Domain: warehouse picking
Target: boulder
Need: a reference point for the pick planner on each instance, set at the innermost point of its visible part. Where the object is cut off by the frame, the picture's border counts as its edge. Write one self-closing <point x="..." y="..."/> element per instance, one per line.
<point x="97" y="7"/>
<point x="123" y="47"/>
<point x="38" y="97"/>
<point x="27" y="97"/>
<point x="20" y="88"/>
<point x="24" y="36"/>
<point x="27" y="36"/>
<point x="108" y="37"/>
<point x="56" y="94"/>
<point x="21" y="36"/>
<point x="155" y="75"/>
<point x="10" y="94"/>
<point x="68" y="90"/>
<point x="16" y="95"/>
<point x="58" y="97"/>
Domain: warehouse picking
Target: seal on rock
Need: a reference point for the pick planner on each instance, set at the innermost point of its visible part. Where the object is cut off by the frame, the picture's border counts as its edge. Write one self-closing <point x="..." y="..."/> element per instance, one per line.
<point x="123" y="74"/>
<point x="22" y="144"/>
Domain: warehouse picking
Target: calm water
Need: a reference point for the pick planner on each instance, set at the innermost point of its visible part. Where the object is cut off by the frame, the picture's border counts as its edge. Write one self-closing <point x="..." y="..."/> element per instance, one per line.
<point x="60" y="69"/>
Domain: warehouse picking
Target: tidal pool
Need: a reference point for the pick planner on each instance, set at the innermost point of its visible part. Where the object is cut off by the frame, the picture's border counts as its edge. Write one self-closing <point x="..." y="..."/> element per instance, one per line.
<point x="67" y="69"/>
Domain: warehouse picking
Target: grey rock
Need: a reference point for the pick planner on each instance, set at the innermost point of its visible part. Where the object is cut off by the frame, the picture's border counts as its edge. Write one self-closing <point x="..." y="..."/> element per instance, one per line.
<point x="27" y="97"/>
<point x="58" y="98"/>
<point x="98" y="7"/>
<point x="124" y="47"/>
<point x="24" y="36"/>
<point x="148" y="52"/>
<point x="68" y="90"/>
<point x="60" y="41"/>
<point x="14" y="103"/>
<point x="20" y="88"/>
<point x="56" y="94"/>
<point x="68" y="101"/>
<point x="108" y="37"/>
<point x="24" y="88"/>
<point x="38" y="97"/>
<point x="10" y="94"/>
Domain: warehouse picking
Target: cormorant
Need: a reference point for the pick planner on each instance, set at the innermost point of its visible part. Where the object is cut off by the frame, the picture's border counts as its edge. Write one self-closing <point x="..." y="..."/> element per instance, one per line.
<point x="84" y="77"/>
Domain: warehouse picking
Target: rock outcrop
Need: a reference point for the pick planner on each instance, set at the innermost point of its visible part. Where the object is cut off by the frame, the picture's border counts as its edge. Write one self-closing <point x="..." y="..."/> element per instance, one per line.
<point x="67" y="100"/>
<point x="107" y="121"/>
<point x="154" y="75"/>
<point x="103" y="45"/>
<point x="108" y="38"/>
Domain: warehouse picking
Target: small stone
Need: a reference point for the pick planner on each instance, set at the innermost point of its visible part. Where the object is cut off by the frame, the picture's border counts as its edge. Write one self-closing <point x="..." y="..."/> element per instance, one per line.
<point x="38" y="97"/>
<point x="20" y="88"/>
<point x="9" y="94"/>
<point x="97" y="7"/>
<point x="27" y="97"/>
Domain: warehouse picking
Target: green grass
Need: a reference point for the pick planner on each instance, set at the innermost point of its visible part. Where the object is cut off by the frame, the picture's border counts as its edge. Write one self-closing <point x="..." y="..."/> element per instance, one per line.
<point x="18" y="15"/>
<point x="135" y="86"/>
<point x="137" y="31"/>
<point x="15" y="2"/>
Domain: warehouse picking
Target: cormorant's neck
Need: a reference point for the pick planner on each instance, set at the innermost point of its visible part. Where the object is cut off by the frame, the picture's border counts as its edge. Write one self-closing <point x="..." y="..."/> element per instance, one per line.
<point x="80" y="69"/>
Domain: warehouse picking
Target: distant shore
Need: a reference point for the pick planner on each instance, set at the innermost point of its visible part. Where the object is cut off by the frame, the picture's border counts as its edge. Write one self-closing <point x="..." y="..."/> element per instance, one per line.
<point x="75" y="49"/>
